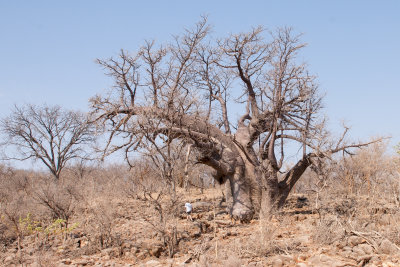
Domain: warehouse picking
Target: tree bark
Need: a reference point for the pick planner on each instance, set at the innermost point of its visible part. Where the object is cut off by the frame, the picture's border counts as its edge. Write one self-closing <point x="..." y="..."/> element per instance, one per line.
<point x="242" y="205"/>
<point x="256" y="190"/>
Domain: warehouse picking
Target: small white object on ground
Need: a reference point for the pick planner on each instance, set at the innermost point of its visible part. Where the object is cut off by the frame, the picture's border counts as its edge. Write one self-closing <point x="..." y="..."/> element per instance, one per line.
<point x="188" y="207"/>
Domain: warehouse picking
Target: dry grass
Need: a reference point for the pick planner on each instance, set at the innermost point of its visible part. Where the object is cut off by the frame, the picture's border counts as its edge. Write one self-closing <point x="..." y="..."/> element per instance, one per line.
<point x="127" y="215"/>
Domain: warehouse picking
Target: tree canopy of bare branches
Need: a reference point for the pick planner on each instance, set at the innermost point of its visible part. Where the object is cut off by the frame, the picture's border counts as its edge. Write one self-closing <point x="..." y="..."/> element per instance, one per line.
<point x="191" y="90"/>
<point x="48" y="134"/>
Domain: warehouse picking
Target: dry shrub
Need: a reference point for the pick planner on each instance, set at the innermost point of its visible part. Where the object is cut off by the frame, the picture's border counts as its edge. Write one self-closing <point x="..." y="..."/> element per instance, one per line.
<point x="264" y="242"/>
<point x="356" y="193"/>
<point x="163" y="205"/>
<point x="265" y="238"/>
<point x="99" y="224"/>
<point x="372" y="171"/>
<point x="34" y="204"/>
<point x="14" y="205"/>
<point x="141" y="179"/>
<point x="328" y="230"/>
<point x="59" y="197"/>
<point x="163" y="209"/>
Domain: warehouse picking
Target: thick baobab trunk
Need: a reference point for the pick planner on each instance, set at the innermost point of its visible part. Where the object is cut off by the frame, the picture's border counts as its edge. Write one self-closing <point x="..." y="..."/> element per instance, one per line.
<point x="239" y="195"/>
<point x="251" y="184"/>
<point x="240" y="183"/>
<point x="250" y="191"/>
<point x="247" y="197"/>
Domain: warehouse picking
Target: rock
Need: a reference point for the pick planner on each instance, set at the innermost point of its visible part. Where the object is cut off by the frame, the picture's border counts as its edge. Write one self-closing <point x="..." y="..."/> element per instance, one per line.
<point x="375" y="259"/>
<point x="364" y="259"/>
<point x="345" y="253"/>
<point x="358" y="251"/>
<point x="302" y="257"/>
<point x="195" y="230"/>
<point x="287" y="259"/>
<point x="388" y="264"/>
<point x="154" y="263"/>
<point x="35" y="264"/>
<point x="323" y="260"/>
<point x="203" y="260"/>
<point x="202" y="206"/>
<point x="282" y="260"/>
<point x="134" y="250"/>
<point x="188" y="260"/>
<point x="9" y="259"/>
<point x="66" y="261"/>
<point x="301" y="202"/>
<point x="30" y="251"/>
<point x="355" y="240"/>
<point x="141" y="255"/>
<point x="277" y="263"/>
<point x="155" y="251"/>
<point x="368" y="249"/>
<point x="82" y="262"/>
<point x="170" y="262"/>
<point x="300" y="217"/>
<point x="387" y="247"/>
<point x="341" y="244"/>
<point x="110" y="252"/>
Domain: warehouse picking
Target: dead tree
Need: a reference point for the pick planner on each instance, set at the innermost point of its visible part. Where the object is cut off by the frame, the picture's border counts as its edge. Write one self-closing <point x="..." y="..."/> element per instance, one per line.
<point x="48" y="134"/>
<point x="191" y="89"/>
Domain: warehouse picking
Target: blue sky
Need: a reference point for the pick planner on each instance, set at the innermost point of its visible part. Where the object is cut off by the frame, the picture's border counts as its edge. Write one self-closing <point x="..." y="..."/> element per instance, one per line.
<point x="48" y="48"/>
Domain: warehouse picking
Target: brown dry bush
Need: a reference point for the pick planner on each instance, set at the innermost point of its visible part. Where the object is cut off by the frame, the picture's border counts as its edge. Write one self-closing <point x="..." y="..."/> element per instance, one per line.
<point x="159" y="197"/>
<point x="34" y="204"/>
<point x="14" y="205"/>
<point x="99" y="225"/>
<point x="59" y="197"/>
<point x="372" y="171"/>
<point x="86" y="200"/>
<point x="163" y="208"/>
<point x="359" y="194"/>
<point x="96" y="212"/>
<point x="140" y="179"/>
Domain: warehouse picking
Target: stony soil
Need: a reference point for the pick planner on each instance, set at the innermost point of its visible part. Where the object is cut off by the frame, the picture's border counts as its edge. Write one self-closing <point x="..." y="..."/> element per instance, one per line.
<point x="299" y="235"/>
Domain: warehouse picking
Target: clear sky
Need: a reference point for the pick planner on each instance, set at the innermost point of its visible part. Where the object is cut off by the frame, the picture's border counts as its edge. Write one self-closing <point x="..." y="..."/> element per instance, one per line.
<point x="48" y="48"/>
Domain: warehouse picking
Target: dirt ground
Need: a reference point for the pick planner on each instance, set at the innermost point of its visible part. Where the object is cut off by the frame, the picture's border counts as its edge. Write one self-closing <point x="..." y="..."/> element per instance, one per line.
<point x="307" y="232"/>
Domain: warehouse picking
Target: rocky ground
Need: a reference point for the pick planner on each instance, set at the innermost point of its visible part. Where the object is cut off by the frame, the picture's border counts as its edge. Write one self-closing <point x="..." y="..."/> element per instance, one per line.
<point x="304" y="233"/>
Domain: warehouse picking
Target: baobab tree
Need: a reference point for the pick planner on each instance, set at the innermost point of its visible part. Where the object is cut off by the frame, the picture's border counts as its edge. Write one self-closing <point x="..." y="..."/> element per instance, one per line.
<point x="191" y="90"/>
<point x="49" y="134"/>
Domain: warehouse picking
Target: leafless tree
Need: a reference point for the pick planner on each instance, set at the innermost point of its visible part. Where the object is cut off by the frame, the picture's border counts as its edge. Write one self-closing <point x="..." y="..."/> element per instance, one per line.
<point x="48" y="134"/>
<point x="191" y="89"/>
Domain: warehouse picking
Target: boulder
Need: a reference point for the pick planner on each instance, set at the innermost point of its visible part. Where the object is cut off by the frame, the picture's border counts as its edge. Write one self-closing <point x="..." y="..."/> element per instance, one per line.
<point x="355" y="240"/>
<point x="368" y="249"/>
<point x="387" y="247"/>
<point x="277" y="263"/>
<point x="153" y="263"/>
